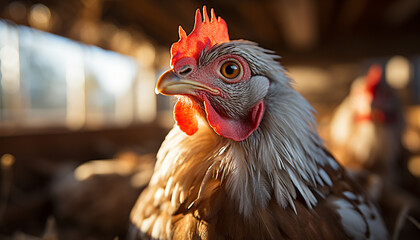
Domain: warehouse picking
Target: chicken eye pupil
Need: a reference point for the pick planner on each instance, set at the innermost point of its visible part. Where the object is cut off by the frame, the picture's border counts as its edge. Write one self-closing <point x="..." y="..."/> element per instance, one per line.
<point x="230" y="70"/>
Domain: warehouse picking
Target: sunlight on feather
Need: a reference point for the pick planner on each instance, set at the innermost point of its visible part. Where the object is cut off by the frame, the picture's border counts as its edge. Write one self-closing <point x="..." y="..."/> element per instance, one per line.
<point x="102" y="167"/>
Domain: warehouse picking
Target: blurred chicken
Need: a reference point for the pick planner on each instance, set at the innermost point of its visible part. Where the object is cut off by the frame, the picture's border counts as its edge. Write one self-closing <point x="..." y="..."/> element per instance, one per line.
<point x="365" y="136"/>
<point x="366" y="128"/>
<point x="244" y="160"/>
<point x="96" y="197"/>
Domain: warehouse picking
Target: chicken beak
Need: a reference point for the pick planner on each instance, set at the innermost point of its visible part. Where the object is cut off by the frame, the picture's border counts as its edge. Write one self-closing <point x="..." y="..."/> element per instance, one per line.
<point x="170" y="84"/>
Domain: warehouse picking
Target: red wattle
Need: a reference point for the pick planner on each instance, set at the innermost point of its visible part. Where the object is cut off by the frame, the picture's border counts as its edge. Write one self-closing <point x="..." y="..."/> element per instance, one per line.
<point x="185" y="115"/>
<point x="237" y="130"/>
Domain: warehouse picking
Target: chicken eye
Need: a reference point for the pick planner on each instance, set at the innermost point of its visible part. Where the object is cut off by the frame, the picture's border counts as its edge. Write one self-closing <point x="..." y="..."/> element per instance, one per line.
<point x="230" y="69"/>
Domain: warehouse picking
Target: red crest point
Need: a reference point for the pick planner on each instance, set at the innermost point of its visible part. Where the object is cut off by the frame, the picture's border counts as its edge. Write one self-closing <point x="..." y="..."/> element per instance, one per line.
<point x="373" y="78"/>
<point x="206" y="33"/>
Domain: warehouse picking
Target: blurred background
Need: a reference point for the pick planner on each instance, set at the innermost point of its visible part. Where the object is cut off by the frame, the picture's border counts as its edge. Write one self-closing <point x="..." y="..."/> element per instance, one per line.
<point x="80" y="122"/>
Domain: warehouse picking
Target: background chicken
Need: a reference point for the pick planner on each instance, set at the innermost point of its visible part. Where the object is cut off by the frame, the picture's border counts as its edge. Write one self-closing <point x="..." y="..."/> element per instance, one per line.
<point x="366" y="128"/>
<point x="244" y="160"/>
<point x="96" y="197"/>
<point x="365" y="136"/>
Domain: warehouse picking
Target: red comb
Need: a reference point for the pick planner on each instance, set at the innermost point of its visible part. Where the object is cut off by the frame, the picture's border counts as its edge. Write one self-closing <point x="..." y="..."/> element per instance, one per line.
<point x="373" y="78"/>
<point x="206" y="33"/>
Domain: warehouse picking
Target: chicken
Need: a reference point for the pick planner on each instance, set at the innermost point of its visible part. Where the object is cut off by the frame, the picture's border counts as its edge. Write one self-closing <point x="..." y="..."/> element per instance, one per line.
<point x="244" y="160"/>
<point x="365" y="134"/>
<point x="366" y="128"/>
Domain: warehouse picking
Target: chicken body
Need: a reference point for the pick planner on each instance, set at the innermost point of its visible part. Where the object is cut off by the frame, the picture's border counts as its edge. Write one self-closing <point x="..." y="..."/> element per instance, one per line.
<point x="253" y="165"/>
<point x="367" y="126"/>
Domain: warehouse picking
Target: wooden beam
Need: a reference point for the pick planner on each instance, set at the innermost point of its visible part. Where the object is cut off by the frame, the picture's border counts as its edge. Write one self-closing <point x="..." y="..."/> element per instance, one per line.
<point x="350" y="13"/>
<point x="401" y="11"/>
<point x="160" y="24"/>
<point x="298" y="19"/>
<point x="254" y="15"/>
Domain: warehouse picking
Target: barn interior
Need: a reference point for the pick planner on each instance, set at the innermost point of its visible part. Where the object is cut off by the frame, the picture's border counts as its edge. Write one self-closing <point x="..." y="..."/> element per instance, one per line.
<point x="80" y="122"/>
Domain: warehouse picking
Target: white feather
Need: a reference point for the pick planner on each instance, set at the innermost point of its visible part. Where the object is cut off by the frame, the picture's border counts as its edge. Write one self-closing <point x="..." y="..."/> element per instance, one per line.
<point x="157" y="228"/>
<point x="349" y="195"/>
<point x="325" y="177"/>
<point x="158" y="196"/>
<point x="351" y="220"/>
<point x="175" y="196"/>
<point x="333" y="163"/>
<point x="375" y="222"/>
<point x="147" y="223"/>
<point x="168" y="188"/>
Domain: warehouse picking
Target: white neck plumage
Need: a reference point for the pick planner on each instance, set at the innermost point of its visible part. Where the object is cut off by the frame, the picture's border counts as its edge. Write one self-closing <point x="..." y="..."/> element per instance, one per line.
<point x="284" y="157"/>
<point x="281" y="159"/>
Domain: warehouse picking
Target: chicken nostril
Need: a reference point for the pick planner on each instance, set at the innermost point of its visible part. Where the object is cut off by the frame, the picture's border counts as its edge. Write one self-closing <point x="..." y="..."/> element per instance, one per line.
<point x="185" y="70"/>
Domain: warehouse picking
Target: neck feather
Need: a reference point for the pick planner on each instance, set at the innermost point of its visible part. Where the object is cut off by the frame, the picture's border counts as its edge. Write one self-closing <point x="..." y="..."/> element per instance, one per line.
<point x="282" y="159"/>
